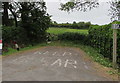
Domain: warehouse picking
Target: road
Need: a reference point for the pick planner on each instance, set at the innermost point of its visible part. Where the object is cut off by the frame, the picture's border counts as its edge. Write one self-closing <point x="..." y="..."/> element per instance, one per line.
<point x="51" y="64"/>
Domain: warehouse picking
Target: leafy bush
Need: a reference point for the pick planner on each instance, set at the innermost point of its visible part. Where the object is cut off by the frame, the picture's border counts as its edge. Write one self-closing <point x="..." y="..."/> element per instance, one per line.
<point x="14" y="33"/>
<point x="74" y="37"/>
<point x="19" y="34"/>
<point x="101" y="37"/>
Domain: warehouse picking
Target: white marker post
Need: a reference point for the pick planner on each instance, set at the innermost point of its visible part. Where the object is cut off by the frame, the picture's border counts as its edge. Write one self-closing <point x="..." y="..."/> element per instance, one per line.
<point x="115" y="27"/>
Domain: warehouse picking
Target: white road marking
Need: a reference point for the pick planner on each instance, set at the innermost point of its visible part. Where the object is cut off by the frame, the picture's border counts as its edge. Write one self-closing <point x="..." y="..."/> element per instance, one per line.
<point x="64" y="53"/>
<point x="19" y="58"/>
<point x="75" y="67"/>
<point x="57" y="61"/>
<point x="66" y="62"/>
<point x="22" y="59"/>
<point x="15" y="60"/>
<point x="69" y="53"/>
<point x="71" y="62"/>
<point x="46" y="52"/>
<point x="75" y="62"/>
<point x="54" y="53"/>
<point x="37" y="52"/>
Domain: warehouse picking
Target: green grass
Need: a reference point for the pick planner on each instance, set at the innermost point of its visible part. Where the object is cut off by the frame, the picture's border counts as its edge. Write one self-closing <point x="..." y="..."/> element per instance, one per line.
<point x="12" y="51"/>
<point x="63" y="30"/>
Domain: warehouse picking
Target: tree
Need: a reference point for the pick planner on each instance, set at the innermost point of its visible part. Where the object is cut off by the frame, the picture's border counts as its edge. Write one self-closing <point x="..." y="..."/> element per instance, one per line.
<point x="34" y="19"/>
<point x="9" y="6"/>
<point x="115" y="10"/>
<point x="79" y="5"/>
<point x="75" y="25"/>
<point x="5" y="18"/>
<point x="84" y="5"/>
<point x="13" y="9"/>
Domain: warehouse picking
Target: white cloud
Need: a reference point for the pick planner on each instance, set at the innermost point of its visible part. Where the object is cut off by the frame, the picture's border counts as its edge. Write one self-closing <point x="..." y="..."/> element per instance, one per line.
<point x="96" y="16"/>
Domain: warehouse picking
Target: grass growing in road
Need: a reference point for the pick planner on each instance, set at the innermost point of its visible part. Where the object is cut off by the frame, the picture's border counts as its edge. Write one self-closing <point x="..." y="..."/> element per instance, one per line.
<point x="63" y="30"/>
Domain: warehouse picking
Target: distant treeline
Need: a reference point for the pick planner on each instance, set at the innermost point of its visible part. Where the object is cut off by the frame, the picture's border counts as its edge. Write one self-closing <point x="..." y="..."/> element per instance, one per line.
<point x="74" y="25"/>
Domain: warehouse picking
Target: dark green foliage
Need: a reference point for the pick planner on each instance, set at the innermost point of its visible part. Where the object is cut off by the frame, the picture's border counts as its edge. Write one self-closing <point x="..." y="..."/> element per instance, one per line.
<point x="114" y="9"/>
<point x="77" y="37"/>
<point x="79" y="5"/>
<point x="32" y="25"/>
<point x="118" y="40"/>
<point x="12" y="33"/>
<point x="5" y="17"/>
<point x="74" y="25"/>
<point x="99" y="37"/>
<point x="34" y="20"/>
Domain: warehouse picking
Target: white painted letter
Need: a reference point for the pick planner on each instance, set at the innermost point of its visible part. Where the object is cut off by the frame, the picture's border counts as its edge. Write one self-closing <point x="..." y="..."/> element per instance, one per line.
<point x="71" y="62"/>
<point x="57" y="61"/>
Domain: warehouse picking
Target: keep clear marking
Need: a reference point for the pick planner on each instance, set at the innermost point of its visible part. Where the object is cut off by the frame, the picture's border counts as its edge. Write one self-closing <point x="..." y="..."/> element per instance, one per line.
<point x="70" y="62"/>
<point x="57" y="61"/>
<point x="46" y="52"/>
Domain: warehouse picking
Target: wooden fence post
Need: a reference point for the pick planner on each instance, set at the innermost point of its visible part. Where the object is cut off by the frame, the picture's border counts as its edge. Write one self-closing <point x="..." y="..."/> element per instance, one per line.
<point x="114" y="47"/>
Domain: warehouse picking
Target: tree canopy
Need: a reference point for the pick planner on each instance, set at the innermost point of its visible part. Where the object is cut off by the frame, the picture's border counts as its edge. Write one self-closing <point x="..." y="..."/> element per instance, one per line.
<point x="32" y="17"/>
<point x="85" y="5"/>
<point x="79" y="5"/>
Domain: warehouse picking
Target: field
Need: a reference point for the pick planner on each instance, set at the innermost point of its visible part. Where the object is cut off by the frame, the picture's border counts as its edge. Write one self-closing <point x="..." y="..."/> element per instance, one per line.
<point x="63" y="30"/>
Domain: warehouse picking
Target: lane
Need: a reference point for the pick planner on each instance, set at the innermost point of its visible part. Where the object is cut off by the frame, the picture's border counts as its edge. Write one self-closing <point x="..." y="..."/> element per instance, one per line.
<point x="50" y="64"/>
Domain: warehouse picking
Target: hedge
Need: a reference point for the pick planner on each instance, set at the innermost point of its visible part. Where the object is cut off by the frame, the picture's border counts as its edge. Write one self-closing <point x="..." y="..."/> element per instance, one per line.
<point x="99" y="37"/>
<point x="11" y="34"/>
<point x="77" y="37"/>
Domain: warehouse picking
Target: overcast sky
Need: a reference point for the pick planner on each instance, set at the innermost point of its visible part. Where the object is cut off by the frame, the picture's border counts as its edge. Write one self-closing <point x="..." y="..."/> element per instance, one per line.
<point x="96" y="16"/>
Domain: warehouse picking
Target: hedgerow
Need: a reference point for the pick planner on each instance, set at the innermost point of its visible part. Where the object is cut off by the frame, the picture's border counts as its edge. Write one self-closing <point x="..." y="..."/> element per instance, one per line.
<point x="99" y="37"/>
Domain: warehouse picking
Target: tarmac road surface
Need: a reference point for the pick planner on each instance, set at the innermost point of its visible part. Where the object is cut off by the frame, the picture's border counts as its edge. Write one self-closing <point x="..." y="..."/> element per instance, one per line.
<point x="50" y="64"/>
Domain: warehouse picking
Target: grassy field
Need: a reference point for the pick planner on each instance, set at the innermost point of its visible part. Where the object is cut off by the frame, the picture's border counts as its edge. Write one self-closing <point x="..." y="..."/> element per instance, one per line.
<point x="63" y="30"/>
